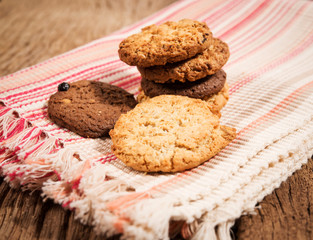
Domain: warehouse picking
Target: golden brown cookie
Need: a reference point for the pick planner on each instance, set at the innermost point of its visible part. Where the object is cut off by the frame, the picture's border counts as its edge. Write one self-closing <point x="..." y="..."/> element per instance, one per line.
<point x="166" y="43"/>
<point x="169" y="133"/>
<point x="89" y="108"/>
<point x="218" y="101"/>
<point x="206" y="63"/>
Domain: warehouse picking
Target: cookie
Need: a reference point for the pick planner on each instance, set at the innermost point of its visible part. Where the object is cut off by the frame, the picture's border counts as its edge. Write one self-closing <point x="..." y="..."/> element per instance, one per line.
<point x="216" y="101"/>
<point x="199" y="89"/>
<point x="166" y="43"/>
<point x="206" y="63"/>
<point x="89" y="108"/>
<point x="169" y="134"/>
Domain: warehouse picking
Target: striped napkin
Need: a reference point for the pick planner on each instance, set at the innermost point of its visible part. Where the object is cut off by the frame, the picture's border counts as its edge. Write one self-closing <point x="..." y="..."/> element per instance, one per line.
<point x="270" y="74"/>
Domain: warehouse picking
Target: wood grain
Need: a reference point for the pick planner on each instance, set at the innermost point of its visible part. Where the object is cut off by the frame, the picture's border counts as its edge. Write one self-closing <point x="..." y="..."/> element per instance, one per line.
<point x="32" y="30"/>
<point x="35" y="30"/>
<point x="287" y="213"/>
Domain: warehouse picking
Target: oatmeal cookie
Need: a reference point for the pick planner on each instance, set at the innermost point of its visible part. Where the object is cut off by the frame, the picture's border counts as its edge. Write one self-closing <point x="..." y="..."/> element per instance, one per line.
<point x="169" y="133"/>
<point x="210" y="61"/>
<point x="166" y="43"/>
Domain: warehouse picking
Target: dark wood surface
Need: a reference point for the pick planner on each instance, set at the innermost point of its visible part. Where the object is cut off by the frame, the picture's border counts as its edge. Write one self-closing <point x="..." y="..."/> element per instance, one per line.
<point x="287" y="213"/>
<point x="34" y="30"/>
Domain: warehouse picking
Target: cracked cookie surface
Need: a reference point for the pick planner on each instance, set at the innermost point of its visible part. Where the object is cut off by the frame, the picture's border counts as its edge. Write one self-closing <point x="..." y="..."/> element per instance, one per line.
<point x="166" y="43"/>
<point x="169" y="134"/>
<point x="206" y="63"/>
<point x="89" y="108"/>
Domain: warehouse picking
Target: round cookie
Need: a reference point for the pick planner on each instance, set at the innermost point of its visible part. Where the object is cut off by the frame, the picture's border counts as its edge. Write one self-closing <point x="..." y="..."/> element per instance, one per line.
<point x="165" y="43"/>
<point x="169" y="133"/>
<point x="206" y="63"/>
<point x="89" y="108"/>
<point x="199" y="89"/>
<point x="216" y="101"/>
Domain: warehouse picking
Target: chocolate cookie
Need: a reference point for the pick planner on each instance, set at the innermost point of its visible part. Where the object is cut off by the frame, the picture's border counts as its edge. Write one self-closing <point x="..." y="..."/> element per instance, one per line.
<point x="167" y="43"/>
<point x="89" y="108"/>
<point x="216" y="101"/>
<point x="206" y="63"/>
<point x="199" y="89"/>
<point x="169" y="134"/>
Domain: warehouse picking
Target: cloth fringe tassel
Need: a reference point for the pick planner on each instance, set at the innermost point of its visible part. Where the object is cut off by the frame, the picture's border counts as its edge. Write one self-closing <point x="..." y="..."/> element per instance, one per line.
<point x="23" y="150"/>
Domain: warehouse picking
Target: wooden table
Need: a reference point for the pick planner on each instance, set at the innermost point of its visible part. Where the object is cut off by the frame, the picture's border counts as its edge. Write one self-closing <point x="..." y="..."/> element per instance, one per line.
<point x="34" y="30"/>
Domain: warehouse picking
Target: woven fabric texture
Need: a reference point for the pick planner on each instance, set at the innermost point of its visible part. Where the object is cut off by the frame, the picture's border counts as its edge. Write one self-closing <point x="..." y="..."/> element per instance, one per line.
<point x="270" y="74"/>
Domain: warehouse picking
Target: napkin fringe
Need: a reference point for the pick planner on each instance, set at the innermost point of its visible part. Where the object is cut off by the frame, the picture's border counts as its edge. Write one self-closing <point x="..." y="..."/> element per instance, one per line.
<point x="22" y="151"/>
<point x="207" y="230"/>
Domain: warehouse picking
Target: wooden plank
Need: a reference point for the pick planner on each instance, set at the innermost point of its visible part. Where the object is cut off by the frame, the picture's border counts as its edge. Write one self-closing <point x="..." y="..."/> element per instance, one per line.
<point x="32" y="30"/>
<point x="284" y="214"/>
<point x="26" y="216"/>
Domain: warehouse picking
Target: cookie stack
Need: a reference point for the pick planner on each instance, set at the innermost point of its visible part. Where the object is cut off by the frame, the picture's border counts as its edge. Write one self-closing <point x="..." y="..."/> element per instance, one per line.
<point x="179" y="58"/>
